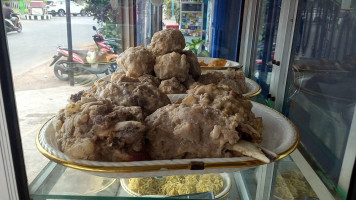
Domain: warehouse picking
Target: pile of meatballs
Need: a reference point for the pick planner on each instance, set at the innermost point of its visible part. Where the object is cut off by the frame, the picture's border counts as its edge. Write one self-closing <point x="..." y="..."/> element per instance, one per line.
<point x="131" y="118"/>
<point x="175" y="68"/>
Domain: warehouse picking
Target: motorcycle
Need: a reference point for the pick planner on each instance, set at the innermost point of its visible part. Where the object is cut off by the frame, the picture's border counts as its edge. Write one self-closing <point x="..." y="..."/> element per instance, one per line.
<point x="81" y="64"/>
<point x="10" y="26"/>
<point x="111" y="45"/>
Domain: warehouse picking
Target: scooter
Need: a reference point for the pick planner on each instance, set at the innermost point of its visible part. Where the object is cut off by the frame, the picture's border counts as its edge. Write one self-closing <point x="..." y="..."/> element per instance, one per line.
<point x="80" y="64"/>
<point x="10" y="26"/>
<point x="111" y="45"/>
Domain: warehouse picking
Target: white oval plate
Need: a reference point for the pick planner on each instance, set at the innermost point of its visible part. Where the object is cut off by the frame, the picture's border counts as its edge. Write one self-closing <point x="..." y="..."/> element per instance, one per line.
<point x="279" y="135"/>
<point x="227" y="186"/>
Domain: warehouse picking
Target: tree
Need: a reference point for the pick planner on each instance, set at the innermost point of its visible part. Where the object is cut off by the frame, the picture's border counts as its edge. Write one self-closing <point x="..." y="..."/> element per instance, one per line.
<point x="105" y="16"/>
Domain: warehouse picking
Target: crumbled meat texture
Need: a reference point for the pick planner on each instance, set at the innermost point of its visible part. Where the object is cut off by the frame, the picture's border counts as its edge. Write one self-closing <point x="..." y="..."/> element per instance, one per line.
<point x="189" y="82"/>
<point x="172" y="86"/>
<point x="167" y="41"/>
<point x="93" y="129"/>
<point x="145" y="95"/>
<point x="146" y="78"/>
<point x="192" y="86"/>
<point x="76" y="97"/>
<point x="232" y="78"/>
<point x="211" y="77"/>
<point x="117" y="77"/>
<point x="172" y="65"/>
<point x="238" y="82"/>
<point x="231" y="104"/>
<point x="196" y="131"/>
<point x="194" y="68"/>
<point x="136" y="61"/>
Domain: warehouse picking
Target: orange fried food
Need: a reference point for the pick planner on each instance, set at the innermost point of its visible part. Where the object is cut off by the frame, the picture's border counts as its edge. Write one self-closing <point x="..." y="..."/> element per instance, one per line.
<point x="218" y="63"/>
<point x="202" y="63"/>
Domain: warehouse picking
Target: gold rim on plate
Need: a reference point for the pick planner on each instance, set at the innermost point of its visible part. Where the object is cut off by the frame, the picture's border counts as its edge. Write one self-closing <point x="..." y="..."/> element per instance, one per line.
<point x="153" y="168"/>
<point x="255" y="93"/>
<point x="221" y="68"/>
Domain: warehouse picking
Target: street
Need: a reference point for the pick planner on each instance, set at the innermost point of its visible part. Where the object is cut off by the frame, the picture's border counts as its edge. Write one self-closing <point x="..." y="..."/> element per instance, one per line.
<point x="38" y="41"/>
<point x="39" y="94"/>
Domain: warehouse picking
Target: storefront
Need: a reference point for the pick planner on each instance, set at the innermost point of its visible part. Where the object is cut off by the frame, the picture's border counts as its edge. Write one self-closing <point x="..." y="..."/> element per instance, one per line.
<point x="278" y="114"/>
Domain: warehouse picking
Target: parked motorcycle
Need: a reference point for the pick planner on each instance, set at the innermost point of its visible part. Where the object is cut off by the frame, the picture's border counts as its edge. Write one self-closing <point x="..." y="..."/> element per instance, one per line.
<point x="111" y="45"/>
<point x="10" y="26"/>
<point x="80" y="64"/>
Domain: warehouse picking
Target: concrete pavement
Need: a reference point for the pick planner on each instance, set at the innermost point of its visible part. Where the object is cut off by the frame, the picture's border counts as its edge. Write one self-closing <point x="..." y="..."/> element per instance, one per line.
<point x="34" y="108"/>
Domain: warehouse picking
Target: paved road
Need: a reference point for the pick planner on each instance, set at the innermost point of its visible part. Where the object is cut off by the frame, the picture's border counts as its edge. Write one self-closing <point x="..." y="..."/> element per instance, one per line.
<point x="39" y="40"/>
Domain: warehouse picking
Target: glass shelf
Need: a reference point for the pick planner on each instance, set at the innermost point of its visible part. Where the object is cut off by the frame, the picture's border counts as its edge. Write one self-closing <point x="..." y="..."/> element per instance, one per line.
<point x="59" y="182"/>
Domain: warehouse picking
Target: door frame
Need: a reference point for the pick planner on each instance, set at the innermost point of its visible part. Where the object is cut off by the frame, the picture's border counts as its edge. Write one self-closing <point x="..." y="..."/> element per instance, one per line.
<point x="283" y="51"/>
<point x="249" y="38"/>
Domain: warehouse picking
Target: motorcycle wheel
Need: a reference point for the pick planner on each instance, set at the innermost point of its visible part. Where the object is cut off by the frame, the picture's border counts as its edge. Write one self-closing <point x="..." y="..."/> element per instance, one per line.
<point x="19" y="27"/>
<point x="112" y="68"/>
<point x="58" y="71"/>
<point x="61" y="13"/>
<point x="82" y="13"/>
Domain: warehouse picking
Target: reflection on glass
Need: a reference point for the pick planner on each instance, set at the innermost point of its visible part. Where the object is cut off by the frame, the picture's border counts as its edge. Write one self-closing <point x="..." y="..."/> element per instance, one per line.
<point x="322" y="95"/>
<point x="268" y="27"/>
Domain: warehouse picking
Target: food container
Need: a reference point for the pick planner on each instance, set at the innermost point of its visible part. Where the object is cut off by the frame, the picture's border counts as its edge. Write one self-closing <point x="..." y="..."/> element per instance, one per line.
<point x="229" y="64"/>
<point x="226" y="188"/>
<point x="280" y="136"/>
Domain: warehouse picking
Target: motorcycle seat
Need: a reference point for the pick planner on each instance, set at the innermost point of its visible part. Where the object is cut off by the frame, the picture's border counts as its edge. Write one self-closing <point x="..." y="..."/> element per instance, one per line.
<point x="81" y="53"/>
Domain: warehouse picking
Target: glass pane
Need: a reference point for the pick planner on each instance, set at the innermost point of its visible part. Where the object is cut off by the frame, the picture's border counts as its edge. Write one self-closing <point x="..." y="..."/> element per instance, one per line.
<point x="321" y="94"/>
<point x="55" y="54"/>
<point x="268" y="27"/>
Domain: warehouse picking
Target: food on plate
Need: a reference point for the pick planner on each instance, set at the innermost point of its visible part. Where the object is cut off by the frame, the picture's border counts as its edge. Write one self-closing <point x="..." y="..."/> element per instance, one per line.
<point x="145" y="95"/>
<point x="292" y="185"/>
<point x="172" y="65"/>
<point x="167" y="41"/>
<point x="189" y="82"/>
<point x="172" y="86"/>
<point x="118" y="120"/>
<point x="211" y="122"/>
<point x="93" y="129"/>
<point x="192" y="59"/>
<point x="202" y="63"/>
<point x="194" y="131"/>
<point x="211" y="77"/>
<point x="217" y="63"/>
<point x="177" y="185"/>
<point x="232" y="78"/>
<point x="136" y="61"/>
<point x="230" y="104"/>
<point x="118" y="77"/>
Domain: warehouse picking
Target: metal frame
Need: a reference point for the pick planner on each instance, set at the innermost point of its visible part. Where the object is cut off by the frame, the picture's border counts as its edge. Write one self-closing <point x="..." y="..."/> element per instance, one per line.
<point x="12" y="165"/>
<point x="313" y="179"/>
<point x="249" y="35"/>
<point x="283" y="51"/>
<point x="349" y="157"/>
<point x="8" y="189"/>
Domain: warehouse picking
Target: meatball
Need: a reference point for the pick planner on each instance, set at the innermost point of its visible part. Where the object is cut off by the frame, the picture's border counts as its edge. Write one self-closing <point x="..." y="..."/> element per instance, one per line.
<point x="172" y="65"/>
<point x="136" y="61"/>
<point x="167" y="41"/>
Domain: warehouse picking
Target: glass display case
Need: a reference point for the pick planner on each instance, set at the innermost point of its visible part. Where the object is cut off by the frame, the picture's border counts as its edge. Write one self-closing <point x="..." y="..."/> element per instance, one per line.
<point x="297" y="59"/>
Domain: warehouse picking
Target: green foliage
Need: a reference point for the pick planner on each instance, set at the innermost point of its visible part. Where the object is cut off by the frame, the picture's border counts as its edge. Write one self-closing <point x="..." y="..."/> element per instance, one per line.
<point x="168" y="11"/>
<point x="109" y="30"/>
<point x="102" y="11"/>
<point x="105" y="16"/>
<point x="195" y="45"/>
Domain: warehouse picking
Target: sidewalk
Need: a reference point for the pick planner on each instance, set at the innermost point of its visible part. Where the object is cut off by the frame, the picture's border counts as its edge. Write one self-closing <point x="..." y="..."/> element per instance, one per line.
<point x="34" y="108"/>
